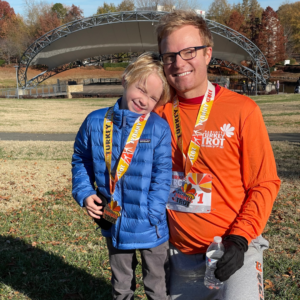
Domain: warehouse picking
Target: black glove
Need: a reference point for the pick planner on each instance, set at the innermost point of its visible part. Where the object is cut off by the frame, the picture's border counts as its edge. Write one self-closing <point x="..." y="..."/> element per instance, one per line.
<point x="102" y="223"/>
<point x="233" y="258"/>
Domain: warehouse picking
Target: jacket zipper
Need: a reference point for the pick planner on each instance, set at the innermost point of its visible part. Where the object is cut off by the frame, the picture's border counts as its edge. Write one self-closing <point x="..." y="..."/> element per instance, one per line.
<point x="121" y="182"/>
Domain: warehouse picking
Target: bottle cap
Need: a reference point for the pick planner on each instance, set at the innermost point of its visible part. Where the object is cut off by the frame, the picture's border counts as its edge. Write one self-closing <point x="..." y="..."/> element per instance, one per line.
<point x="217" y="239"/>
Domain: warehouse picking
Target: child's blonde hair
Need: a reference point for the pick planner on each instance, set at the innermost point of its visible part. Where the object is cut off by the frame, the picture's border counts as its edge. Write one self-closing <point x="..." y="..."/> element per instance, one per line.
<point x="146" y="64"/>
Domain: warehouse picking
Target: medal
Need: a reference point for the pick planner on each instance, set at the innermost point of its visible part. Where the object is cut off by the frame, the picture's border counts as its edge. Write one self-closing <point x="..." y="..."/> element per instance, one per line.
<point x="112" y="211"/>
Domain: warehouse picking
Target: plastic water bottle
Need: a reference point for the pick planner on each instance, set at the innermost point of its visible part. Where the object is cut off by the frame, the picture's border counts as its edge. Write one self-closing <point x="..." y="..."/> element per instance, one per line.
<point x="214" y="252"/>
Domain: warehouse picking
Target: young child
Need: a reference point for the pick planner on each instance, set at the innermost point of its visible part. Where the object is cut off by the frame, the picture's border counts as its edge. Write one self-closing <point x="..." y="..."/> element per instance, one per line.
<point x="126" y="151"/>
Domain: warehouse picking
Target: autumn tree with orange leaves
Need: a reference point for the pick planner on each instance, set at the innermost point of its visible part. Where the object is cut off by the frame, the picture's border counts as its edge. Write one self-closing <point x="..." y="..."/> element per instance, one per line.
<point x="6" y="13"/>
<point x="17" y="33"/>
<point x="270" y="38"/>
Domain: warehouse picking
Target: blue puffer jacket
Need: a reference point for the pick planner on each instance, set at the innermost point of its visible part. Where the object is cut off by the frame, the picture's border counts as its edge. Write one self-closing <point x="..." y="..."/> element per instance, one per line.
<point x="143" y="191"/>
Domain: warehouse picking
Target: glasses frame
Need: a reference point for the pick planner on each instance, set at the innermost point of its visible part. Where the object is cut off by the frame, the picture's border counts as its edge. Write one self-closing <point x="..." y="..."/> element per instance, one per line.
<point x="179" y="53"/>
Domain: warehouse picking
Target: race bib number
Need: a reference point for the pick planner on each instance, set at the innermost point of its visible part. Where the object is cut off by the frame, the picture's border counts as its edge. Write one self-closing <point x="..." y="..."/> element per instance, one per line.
<point x="191" y="194"/>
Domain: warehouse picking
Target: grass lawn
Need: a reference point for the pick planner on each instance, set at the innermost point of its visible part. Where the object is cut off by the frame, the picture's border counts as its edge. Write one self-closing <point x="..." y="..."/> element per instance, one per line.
<point x="49" y="247"/>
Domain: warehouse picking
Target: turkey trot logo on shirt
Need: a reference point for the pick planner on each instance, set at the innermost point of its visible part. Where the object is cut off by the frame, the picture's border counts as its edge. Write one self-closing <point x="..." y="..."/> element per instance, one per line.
<point x="215" y="139"/>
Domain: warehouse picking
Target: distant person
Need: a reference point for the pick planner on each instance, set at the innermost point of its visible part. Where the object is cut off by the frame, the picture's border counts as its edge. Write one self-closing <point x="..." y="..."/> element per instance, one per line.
<point x="277" y="86"/>
<point x="249" y="87"/>
<point x="126" y="151"/>
<point x="244" y="87"/>
<point x="297" y="88"/>
<point x="252" y="87"/>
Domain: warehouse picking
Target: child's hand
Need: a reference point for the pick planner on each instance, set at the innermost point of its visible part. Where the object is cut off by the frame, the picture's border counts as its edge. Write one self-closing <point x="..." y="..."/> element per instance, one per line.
<point x="92" y="209"/>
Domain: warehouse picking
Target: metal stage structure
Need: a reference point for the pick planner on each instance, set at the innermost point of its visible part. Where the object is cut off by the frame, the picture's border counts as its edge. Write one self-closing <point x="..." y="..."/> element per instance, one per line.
<point x="127" y="34"/>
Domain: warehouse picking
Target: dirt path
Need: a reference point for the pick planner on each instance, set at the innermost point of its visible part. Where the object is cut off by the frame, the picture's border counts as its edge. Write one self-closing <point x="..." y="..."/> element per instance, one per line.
<point x="18" y="136"/>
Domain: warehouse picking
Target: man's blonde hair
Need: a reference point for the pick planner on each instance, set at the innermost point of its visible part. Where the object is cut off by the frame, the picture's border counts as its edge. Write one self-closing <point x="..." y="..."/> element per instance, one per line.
<point x="179" y="18"/>
<point x="146" y="64"/>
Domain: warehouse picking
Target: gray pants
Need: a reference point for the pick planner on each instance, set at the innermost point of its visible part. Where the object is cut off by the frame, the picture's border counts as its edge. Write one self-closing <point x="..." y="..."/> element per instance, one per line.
<point x="187" y="276"/>
<point x="155" y="267"/>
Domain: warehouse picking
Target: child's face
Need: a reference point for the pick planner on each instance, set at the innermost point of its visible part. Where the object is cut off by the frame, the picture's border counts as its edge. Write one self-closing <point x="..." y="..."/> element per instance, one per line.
<point x="140" y="97"/>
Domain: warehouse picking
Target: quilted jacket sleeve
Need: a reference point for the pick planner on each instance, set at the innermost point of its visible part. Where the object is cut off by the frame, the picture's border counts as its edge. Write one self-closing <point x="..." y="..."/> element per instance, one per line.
<point x="83" y="177"/>
<point x="161" y="178"/>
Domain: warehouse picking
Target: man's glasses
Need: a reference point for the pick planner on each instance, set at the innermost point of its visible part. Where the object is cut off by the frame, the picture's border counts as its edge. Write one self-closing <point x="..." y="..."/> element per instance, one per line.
<point x="186" y="54"/>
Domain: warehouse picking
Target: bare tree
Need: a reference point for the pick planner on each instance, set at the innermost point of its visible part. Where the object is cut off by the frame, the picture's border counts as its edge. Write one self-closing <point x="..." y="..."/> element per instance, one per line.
<point x="167" y="5"/>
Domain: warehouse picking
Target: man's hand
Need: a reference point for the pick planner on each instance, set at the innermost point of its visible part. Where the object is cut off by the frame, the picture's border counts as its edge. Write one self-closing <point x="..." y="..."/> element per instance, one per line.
<point x="233" y="258"/>
<point x="93" y="209"/>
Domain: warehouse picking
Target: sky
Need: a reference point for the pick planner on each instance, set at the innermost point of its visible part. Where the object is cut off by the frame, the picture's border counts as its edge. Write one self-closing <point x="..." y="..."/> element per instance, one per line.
<point x="89" y="7"/>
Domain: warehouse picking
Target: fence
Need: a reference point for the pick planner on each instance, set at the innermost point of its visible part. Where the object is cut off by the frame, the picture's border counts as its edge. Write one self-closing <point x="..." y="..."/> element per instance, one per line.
<point x="36" y="92"/>
<point x="100" y="81"/>
<point x="261" y="88"/>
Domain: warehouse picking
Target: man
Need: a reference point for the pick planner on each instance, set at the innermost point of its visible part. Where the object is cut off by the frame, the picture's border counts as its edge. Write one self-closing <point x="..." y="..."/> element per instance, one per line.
<point x="224" y="173"/>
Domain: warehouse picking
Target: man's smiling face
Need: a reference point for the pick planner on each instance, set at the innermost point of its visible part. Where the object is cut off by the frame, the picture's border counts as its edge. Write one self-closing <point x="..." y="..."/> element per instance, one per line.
<point x="187" y="77"/>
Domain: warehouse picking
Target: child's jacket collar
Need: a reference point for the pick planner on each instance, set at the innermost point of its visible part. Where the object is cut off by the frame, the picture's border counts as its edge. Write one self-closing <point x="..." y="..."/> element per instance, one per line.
<point x="119" y="115"/>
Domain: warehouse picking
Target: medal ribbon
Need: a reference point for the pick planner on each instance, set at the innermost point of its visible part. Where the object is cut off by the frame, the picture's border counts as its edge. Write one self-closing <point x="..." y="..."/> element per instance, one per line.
<point x="129" y="149"/>
<point x="196" y="140"/>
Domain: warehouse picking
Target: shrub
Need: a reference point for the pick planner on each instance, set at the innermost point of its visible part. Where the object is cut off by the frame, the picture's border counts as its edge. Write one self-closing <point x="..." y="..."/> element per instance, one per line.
<point x="114" y="69"/>
<point x="2" y="62"/>
<point x="115" y="65"/>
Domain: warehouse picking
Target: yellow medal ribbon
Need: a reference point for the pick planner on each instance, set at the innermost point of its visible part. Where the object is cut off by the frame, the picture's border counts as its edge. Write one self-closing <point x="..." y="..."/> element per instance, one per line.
<point x="129" y="149"/>
<point x="203" y="114"/>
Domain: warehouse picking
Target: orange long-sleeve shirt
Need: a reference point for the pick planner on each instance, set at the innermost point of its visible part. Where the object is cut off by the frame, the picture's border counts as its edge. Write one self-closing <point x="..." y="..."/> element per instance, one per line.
<point x="242" y="164"/>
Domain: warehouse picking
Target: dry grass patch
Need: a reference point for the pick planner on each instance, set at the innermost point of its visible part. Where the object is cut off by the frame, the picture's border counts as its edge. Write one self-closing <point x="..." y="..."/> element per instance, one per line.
<point x="36" y="150"/>
<point x="282" y="261"/>
<point x="281" y="117"/>
<point x="30" y="169"/>
<point x="26" y="181"/>
<point x="59" y="115"/>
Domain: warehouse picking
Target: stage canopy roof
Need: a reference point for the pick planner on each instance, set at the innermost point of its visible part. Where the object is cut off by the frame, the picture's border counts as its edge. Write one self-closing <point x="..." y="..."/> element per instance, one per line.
<point x="99" y="37"/>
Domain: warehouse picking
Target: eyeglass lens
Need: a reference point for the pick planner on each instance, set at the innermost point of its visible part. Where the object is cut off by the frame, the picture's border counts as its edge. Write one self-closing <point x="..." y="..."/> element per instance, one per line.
<point x="185" y="54"/>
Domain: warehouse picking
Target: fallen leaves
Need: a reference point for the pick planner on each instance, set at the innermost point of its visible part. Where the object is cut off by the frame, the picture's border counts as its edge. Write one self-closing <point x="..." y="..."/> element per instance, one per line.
<point x="269" y="284"/>
<point x="25" y="181"/>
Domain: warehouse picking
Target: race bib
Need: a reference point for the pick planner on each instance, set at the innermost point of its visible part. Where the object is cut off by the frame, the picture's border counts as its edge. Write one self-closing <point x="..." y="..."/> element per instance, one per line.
<point x="190" y="194"/>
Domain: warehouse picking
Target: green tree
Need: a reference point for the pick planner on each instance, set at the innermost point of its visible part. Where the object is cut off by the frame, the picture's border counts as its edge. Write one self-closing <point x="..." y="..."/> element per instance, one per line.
<point x="249" y="9"/>
<point x="219" y="11"/>
<point x="60" y="10"/>
<point x="255" y="9"/>
<point x="106" y="8"/>
<point x="126" y="5"/>
<point x="16" y="40"/>
<point x="289" y="16"/>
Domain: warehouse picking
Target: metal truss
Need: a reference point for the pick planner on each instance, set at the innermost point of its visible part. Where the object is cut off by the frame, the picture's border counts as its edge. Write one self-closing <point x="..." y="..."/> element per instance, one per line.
<point x="91" y="61"/>
<point x="247" y="72"/>
<point x="110" y="18"/>
<point x="69" y="28"/>
<point x="257" y="57"/>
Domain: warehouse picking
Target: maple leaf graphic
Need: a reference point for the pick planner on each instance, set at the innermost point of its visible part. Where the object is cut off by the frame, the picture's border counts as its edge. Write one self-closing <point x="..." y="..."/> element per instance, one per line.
<point x="228" y="130"/>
